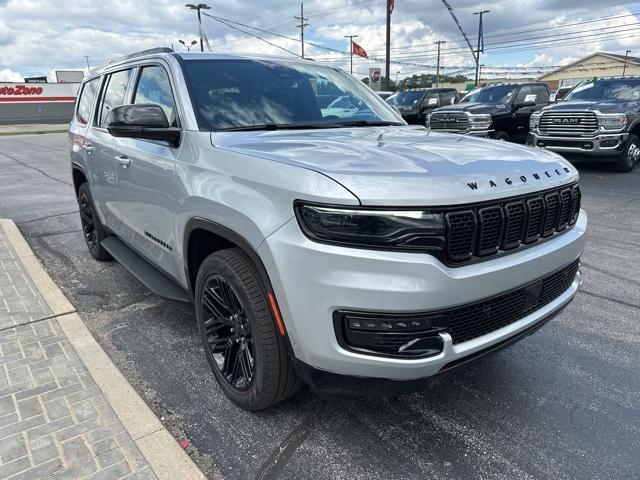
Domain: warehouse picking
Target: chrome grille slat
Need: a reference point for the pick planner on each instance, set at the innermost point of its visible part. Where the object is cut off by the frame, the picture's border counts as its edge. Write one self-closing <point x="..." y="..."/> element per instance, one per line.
<point x="568" y="123"/>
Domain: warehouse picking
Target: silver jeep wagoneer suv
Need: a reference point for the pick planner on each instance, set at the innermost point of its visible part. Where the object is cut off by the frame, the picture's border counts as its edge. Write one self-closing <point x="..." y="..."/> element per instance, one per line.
<point x="350" y="252"/>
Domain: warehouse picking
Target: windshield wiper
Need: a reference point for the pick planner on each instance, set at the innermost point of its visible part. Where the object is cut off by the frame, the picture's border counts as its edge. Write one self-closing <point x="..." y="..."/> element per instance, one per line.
<point x="367" y="123"/>
<point x="277" y="126"/>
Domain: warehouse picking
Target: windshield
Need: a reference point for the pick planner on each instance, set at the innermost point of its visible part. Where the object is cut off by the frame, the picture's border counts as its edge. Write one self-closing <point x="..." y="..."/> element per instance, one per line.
<point x="407" y="98"/>
<point x="499" y="94"/>
<point x="242" y="94"/>
<point x="607" y="90"/>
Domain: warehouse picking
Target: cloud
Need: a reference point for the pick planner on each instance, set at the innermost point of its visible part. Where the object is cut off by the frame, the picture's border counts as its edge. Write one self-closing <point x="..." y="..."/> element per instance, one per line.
<point x="8" y="75"/>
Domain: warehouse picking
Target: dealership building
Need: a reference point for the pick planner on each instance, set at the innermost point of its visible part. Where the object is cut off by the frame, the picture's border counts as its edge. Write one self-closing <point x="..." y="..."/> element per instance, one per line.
<point x="597" y="64"/>
<point x="36" y="101"/>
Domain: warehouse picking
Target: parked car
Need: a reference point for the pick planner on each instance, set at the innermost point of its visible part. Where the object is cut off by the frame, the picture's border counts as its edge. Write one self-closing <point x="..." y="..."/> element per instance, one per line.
<point x="599" y="119"/>
<point x="497" y="111"/>
<point x="384" y="94"/>
<point x="414" y="105"/>
<point x="345" y="106"/>
<point x="560" y="94"/>
<point x="354" y="254"/>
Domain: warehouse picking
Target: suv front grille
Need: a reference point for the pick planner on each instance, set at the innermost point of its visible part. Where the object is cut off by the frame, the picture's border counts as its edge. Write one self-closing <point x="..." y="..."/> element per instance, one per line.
<point x="561" y="124"/>
<point x="457" y="122"/>
<point x="490" y="228"/>
<point x="476" y="319"/>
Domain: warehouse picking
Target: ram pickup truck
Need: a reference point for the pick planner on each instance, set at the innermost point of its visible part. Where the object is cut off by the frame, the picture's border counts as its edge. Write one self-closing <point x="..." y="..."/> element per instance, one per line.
<point x="415" y="105"/>
<point x="598" y="120"/>
<point x="353" y="254"/>
<point x="498" y="111"/>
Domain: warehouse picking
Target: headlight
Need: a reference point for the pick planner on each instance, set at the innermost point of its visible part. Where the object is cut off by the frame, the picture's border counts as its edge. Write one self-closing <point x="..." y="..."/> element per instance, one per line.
<point x="534" y="120"/>
<point x="612" y="121"/>
<point x="479" y="122"/>
<point x="387" y="229"/>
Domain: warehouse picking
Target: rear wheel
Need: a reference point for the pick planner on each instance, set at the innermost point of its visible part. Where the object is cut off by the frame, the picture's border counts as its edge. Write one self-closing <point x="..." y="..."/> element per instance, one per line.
<point x="92" y="229"/>
<point x="629" y="156"/>
<point x="246" y="353"/>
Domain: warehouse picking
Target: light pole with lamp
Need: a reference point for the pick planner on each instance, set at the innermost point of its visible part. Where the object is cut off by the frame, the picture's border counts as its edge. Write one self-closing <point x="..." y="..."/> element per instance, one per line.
<point x="199" y="7"/>
<point x="188" y="45"/>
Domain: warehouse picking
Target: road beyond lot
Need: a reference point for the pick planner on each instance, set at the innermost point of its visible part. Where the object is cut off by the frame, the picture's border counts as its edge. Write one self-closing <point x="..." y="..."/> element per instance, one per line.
<point x="563" y="403"/>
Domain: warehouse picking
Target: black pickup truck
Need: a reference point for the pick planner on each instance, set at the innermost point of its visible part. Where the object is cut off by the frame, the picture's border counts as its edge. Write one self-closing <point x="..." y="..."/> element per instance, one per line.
<point x="599" y="119"/>
<point x="497" y="111"/>
<point x="414" y="105"/>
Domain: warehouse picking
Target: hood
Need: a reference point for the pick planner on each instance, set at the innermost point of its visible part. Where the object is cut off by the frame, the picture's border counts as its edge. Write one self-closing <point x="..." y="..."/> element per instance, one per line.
<point x="476" y="107"/>
<point x="605" y="106"/>
<point x="407" y="166"/>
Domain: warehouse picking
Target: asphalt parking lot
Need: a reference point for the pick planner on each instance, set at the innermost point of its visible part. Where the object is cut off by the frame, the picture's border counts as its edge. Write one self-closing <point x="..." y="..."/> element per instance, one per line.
<point x="563" y="403"/>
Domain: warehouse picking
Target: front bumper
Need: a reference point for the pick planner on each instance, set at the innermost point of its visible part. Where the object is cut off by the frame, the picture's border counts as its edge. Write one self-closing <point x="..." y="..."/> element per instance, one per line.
<point x="313" y="280"/>
<point x="472" y="133"/>
<point x="605" y="144"/>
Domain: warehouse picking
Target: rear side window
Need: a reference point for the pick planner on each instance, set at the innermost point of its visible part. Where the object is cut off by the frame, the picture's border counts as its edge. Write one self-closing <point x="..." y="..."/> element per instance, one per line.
<point x="114" y="93"/>
<point x="542" y="94"/>
<point x="85" y="102"/>
<point x="154" y="87"/>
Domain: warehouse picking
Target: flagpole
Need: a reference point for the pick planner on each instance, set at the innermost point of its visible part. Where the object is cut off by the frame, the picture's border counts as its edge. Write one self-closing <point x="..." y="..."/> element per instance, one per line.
<point x="387" y="69"/>
<point x="351" y="37"/>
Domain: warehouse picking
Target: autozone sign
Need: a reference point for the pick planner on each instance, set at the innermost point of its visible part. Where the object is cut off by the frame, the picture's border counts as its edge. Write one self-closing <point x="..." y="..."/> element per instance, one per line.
<point x="21" y="90"/>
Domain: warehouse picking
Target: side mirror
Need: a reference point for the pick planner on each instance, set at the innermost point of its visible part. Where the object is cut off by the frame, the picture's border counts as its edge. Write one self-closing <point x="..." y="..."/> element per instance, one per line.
<point x="145" y="121"/>
<point x="529" y="101"/>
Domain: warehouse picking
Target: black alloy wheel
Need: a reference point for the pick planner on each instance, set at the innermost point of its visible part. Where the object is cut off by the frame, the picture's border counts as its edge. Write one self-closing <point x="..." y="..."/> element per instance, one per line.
<point x="228" y="333"/>
<point x="92" y="229"/>
<point x="246" y="350"/>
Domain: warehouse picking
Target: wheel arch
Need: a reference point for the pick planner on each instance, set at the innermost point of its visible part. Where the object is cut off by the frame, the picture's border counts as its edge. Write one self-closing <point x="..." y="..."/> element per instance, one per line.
<point x="79" y="177"/>
<point x="199" y="230"/>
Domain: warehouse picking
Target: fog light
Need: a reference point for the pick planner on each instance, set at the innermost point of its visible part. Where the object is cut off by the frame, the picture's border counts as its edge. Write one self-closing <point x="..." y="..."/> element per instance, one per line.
<point x="390" y="335"/>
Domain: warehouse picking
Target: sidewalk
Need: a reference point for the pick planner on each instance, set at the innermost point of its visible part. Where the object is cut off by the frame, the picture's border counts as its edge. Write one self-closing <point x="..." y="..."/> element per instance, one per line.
<point x="66" y="412"/>
<point x="33" y="128"/>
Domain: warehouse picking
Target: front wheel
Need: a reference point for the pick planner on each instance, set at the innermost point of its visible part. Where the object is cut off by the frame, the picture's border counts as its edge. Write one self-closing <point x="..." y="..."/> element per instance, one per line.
<point x="92" y="229"/>
<point x="247" y="354"/>
<point x="629" y="156"/>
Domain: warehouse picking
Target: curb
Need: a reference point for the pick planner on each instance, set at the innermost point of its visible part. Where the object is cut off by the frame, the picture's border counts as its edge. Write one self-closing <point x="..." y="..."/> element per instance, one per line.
<point x="163" y="454"/>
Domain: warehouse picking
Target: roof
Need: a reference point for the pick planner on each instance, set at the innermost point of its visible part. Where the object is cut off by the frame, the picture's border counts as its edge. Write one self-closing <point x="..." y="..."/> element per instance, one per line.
<point x="613" y="56"/>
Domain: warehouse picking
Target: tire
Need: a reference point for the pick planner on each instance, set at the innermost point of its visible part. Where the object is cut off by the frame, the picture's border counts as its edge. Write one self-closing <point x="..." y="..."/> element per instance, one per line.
<point x="629" y="156"/>
<point x="93" y="231"/>
<point x="235" y="331"/>
<point x="504" y="136"/>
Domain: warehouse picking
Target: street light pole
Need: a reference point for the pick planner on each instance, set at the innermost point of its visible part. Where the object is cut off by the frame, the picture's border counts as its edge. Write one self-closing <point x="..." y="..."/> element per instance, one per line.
<point x="480" y="34"/>
<point x="439" y="42"/>
<point x="198" y="8"/>
<point x="480" y="73"/>
<point x="188" y="45"/>
<point x="351" y="37"/>
<point x="626" y="56"/>
<point x="86" y="57"/>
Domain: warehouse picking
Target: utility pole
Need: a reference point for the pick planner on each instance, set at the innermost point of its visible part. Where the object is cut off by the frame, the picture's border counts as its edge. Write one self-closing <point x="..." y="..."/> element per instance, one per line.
<point x="439" y="43"/>
<point x="302" y="25"/>
<point x="86" y="57"/>
<point x="480" y="73"/>
<point x="389" y="4"/>
<point x="480" y="34"/>
<point x="199" y="7"/>
<point x="351" y="37"/>
<point x="397" y="73"/>
<point x="626" y="56"/>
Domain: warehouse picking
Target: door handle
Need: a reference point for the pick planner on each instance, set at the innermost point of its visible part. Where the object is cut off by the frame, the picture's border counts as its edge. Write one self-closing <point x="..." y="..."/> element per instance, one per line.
<point x="87" y="147"/>
<point x="123" y="160"/>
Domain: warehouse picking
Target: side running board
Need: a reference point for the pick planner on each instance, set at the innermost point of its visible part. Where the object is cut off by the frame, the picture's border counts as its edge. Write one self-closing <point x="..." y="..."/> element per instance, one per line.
<point x="152" y="278"/>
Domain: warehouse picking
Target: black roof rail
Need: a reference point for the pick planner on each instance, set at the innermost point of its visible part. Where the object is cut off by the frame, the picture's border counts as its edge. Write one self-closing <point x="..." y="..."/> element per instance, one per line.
<point x="142" y="53"/>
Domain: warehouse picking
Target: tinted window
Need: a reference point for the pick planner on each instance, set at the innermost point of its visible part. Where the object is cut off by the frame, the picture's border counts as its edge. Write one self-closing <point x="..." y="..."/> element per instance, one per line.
<point x="85" y="102"/>
<point x="522" y="94"/>
<point x="501" y="94"/>
<point x="408" y="98"/>
<point x="229" y="94"/>
<point x="154" y="87"/>
<point x="448" y="98"/>
<point x="542" y="94"/>
<point x="615" y="89"/>
<point x="114" y="93"/>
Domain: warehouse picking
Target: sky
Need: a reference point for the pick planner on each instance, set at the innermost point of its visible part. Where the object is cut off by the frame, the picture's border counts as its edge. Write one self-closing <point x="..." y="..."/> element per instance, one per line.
<point x="39" y="36"/>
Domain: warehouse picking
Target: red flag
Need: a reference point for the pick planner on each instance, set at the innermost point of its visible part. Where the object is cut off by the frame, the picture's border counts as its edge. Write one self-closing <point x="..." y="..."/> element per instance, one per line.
<point x="390" y="5"/>
<point x="358" y="50"/>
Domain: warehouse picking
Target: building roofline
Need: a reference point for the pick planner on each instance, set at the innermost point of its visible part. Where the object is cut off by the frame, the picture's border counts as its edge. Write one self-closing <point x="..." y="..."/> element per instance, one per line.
<point x="633" y="60"/>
